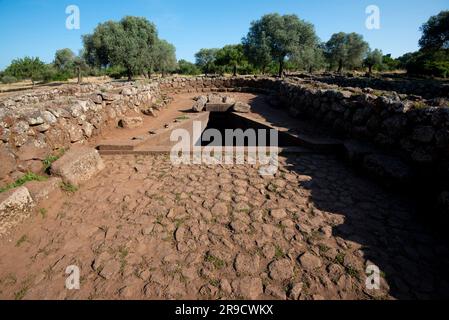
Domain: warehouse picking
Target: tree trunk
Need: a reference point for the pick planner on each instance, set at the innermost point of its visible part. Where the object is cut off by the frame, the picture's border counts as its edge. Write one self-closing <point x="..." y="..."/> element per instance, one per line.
<point x="235" y="70"/>
<point x="281" y="67"/>
<point x="370" y="69"/>
<point x="80" y="79"/>
<point x="340" y="66"/>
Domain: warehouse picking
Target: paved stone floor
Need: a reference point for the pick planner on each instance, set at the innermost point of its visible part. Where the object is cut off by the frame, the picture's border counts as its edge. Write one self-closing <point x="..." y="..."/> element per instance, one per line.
<point x="144" y="229"/>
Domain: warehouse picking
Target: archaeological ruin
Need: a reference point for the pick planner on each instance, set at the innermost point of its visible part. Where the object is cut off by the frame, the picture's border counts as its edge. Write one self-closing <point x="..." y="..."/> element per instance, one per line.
<point x="86" y="180"/>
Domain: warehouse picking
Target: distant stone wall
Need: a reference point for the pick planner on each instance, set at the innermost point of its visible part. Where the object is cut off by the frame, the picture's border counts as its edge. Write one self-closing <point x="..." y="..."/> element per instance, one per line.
<point x="405" y="126"/>
<point x="429" y="89"/>
<point x="34" y="124"/>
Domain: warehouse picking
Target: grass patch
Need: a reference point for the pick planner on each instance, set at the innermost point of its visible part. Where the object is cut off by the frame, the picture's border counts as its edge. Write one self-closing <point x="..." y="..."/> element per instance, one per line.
<point x="67" y="187"/>
<point x="50" y="159"/>
<point x="182" y="118"/>
<point x="22" y="240"/>
<point x="218" y="263"/>
<point x="43" y="212"/>
<point x="340" y="258"/>
<point x="24" y="179"/>
<point x="278" y="254"/>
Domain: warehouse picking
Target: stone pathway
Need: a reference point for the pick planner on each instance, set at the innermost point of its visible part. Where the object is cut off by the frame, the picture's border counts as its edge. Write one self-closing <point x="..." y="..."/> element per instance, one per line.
<point x="144" y="229"/>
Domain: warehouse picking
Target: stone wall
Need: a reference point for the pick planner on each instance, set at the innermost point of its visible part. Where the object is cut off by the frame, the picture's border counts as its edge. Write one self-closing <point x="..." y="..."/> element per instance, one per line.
<point x="407" y="129"/>
<point x="427" y="88"/>
<point x="35" y="124"/>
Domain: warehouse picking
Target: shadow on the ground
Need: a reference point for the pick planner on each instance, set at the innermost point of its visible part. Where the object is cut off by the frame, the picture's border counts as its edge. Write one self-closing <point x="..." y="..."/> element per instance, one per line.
<point x="413" y="259"/>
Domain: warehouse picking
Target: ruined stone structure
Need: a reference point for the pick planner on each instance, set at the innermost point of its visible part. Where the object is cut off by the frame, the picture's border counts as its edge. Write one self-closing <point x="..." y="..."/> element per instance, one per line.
<point x="398" y="137"/>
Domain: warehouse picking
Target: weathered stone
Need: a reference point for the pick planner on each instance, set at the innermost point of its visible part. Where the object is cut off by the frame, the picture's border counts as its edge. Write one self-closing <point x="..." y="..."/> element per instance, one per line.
<point x="281" y="270"/>
<point x="199" y="104"/>
<point x="131" y="122"/>
<point x="75" y="132"/>
<point x="107" y="96"/>
<point x="129" y="91"/>
<point x="387" y="167"/>
<point x="31" y="151"/>
<point x="15" y="206"/>
<point x="7" y="162"/>
<point x="423" y="134"/>
<point x="248" y="288"/>
<point x="278" y="214"/>
<point x="41" y="190"/>
<point x="241" y="107"/>
<point x="246" y="264"/>
<point x="309" y="262"/>
<point x="78" y="165"/>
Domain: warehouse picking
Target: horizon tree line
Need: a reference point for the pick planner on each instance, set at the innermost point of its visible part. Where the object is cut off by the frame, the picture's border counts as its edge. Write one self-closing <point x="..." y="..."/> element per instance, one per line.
<point x="274" y="43"/>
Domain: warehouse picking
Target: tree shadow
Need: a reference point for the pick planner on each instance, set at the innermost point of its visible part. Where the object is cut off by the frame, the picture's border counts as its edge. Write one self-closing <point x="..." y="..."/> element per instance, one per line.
<point x="383" y="224"/>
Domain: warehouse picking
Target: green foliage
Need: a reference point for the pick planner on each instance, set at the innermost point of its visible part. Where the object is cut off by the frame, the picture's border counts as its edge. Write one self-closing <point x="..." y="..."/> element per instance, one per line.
<point x="164" y="57"/>
<point x="436" y="32"/>
<point x="26" y="68"/>
<point x="231" y="57"/>
<point x="429" y="63"/>
<point x="8" y="79"/>
<point x="128" y="43"/>
<point x="22" y="180"/>
<point x="278" y="37"/>
<point x="205" y="59"/>
<point x="345" y="50"/>
<point x="309" y="59"/>
<point x="64" y="60"/>
<point x="116" y="72"/>
<point x="67" y="187"/>
<point x="389" y="63"/>
<point x="188" y="68"/>
<point x="373" y="58"/>
<point x="50" y="159"/>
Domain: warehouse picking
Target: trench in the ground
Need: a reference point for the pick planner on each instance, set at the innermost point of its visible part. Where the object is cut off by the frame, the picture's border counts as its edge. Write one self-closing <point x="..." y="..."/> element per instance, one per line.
<point x="241" y="132"/>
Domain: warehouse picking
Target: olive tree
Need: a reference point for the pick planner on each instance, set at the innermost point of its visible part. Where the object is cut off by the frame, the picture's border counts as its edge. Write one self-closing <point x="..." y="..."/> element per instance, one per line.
<point x="436" y="32"/>
<point x="127" y="44"/>
<point x="282" y="35"/>
<point x="205" y="59"/>
<point x="346" y="50"/>
<point x="374" y="57"/>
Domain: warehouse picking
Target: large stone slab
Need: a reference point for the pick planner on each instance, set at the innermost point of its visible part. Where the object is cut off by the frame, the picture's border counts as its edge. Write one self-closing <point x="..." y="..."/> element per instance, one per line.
<point x="78" y="165"/>
<point x="42" y="190"/>
<point x="15" y="206"/>
<point x="131" y="122"/>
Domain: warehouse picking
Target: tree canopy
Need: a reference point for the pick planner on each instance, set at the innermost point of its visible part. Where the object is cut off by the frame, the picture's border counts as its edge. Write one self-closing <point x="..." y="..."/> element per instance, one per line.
<point x="280" y="37"/>
<point x="374" y="57"/>
<point x="205" y="59"/>
<point x="436" y="32"/>
<point x="346" y="50"/>
<point x="231" y="56"/>
<point x="128" y="43"/>
<point x="26" y="68"/>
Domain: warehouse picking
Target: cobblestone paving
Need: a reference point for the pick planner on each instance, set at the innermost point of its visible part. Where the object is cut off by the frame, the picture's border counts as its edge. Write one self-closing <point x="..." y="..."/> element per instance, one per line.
<point x="144" y="229"/>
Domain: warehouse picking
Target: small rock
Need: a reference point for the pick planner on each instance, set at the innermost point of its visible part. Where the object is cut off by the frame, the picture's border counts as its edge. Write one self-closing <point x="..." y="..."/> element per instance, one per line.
<point x="275" y="292"/>
<point x="241" y="107"/>
<point x="281" y="270"/>
<point x="310" y="262"/>
<point x="295" y="291"/>
<point x="131" y="122"/>
<point x="278" y="214"/>
<point x="246" y="264"/>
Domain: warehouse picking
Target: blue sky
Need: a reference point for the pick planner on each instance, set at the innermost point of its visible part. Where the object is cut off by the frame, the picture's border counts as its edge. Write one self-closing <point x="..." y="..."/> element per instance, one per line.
<point x="37" y="27"/>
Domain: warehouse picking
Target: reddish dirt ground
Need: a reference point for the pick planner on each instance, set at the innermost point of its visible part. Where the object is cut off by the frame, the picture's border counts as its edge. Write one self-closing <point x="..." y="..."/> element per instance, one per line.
<point x="146" y="229"/>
